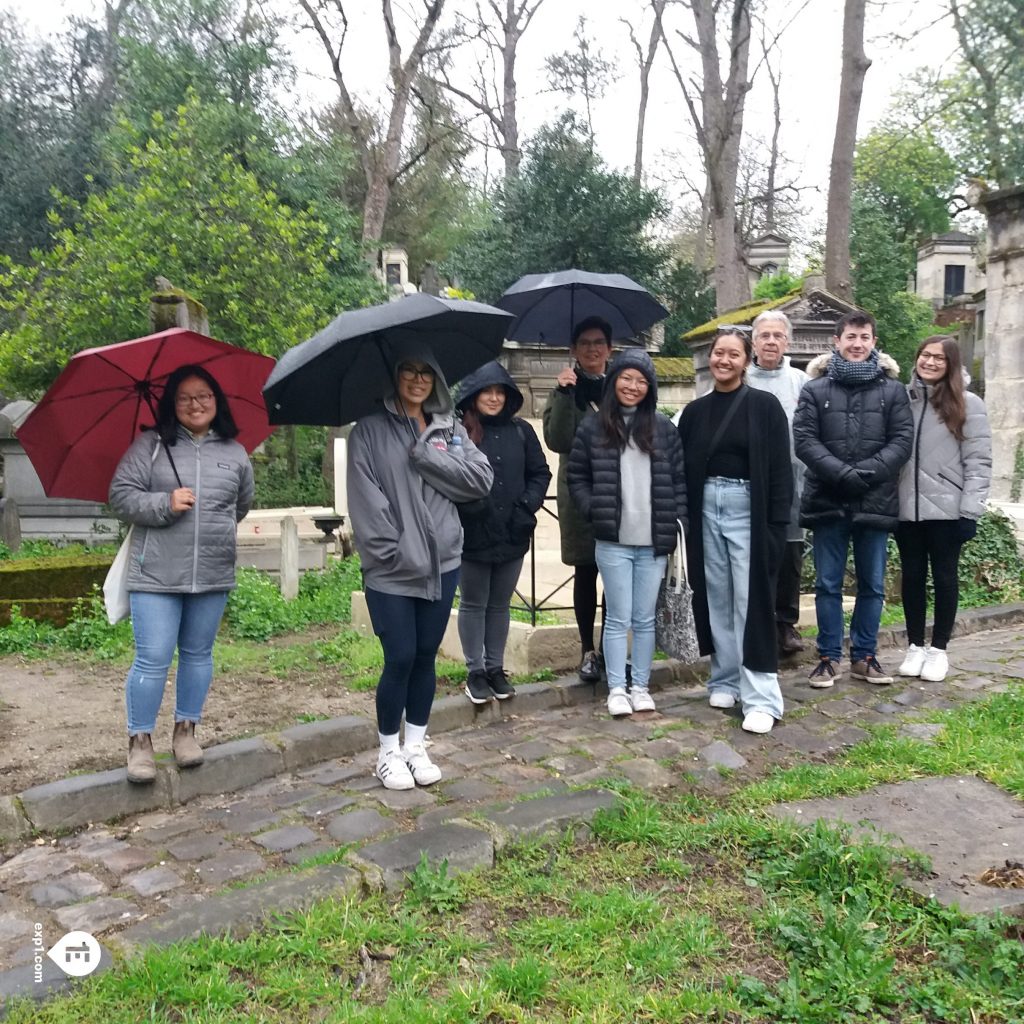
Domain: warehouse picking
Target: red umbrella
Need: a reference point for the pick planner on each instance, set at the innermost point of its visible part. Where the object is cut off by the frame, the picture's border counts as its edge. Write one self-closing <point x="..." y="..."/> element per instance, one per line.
<point x="92" y="412"/>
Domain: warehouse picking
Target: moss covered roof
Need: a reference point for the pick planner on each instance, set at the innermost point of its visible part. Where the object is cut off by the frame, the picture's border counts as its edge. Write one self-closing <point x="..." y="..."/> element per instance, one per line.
<point x="673" y="368"/>
<point x="740" y="315"/>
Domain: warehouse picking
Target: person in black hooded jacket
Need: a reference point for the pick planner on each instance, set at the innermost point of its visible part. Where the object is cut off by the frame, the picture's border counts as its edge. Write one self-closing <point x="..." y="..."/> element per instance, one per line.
<point x="497" y="528"/>
<point x="627" y="479"/>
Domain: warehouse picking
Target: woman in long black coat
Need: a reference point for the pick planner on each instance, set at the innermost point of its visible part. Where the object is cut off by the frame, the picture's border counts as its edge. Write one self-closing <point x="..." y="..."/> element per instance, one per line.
<point x="739" y="485"/>
<point x="497" y="528"/>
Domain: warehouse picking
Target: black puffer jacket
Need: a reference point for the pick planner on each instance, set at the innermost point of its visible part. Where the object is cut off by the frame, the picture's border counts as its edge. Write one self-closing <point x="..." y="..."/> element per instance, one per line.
<point x="853" y="440"/>
<point x="594" y="470"/>
<point x="498" y="528"/>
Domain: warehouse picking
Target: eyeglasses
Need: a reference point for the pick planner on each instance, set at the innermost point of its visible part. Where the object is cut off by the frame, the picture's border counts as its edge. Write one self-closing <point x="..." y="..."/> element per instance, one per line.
<point x="203" y="398"/>
<point x="927" y="357"/>
<point x="638" y="383"/>
<point x="413" y="373"/>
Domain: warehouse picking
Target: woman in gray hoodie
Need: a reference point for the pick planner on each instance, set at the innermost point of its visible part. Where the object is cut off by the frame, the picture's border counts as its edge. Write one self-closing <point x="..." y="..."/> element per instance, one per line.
<point x="408" y="466"/>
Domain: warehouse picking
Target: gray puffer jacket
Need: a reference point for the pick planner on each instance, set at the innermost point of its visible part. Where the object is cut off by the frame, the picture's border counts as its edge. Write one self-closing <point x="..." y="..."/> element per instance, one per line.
<point x="402" y="489"/>
<point x="190" y="552"/>
<point x="945" y="478"/>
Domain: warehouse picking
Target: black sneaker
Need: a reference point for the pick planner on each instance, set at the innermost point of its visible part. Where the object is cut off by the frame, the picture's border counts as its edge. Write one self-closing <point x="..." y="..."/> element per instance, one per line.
<point x="590" y="667"/>
<point x="477" y="688"/>
<point x="824" y="674"/>
<point x="499" y="684"/>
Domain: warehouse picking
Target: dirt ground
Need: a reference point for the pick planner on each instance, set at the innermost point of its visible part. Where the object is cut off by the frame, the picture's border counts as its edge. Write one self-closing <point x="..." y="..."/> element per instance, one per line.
<point x="60" y="717"/>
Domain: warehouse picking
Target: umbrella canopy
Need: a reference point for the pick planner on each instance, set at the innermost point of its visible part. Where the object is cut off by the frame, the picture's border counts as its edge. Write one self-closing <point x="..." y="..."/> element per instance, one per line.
<point x="92" y="412"/>
<point x="342" y="373"/>
<point x="548" y="306"/>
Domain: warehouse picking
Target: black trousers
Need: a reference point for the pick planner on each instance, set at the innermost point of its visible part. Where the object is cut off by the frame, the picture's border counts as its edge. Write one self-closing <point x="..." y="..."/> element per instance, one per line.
<point x="787" y="591"/>
<point x="935" y="541"/>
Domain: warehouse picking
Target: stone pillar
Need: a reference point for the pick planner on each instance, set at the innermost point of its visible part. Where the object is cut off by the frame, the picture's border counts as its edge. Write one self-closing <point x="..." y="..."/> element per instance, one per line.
<point x="171" y="307"/>
<point x="1004" y="334"/>
<point x="289" y="558"/>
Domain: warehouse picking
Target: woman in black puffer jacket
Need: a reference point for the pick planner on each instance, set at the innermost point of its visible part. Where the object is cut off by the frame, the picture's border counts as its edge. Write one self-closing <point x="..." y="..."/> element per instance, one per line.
<point x="497" y="528"/>
<point x="626" y="478"/>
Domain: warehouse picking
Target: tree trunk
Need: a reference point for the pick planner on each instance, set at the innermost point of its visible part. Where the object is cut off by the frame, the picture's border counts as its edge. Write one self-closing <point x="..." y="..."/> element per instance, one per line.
<point x="645" y="61"/>
<point x="719" y="127"/>
<point x="838" y="278"/>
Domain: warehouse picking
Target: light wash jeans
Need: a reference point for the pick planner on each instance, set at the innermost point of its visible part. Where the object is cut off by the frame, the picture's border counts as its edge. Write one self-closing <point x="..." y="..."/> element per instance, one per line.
<point x="162" y="622"/>
<point x="631" y="577"/>
<point x="727" y="574"/>
<point x="485" y="594"/>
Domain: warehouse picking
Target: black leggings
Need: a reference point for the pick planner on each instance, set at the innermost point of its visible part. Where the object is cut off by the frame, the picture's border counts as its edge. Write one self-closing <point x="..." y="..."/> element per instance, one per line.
<point x="410" y="630"/>
<point x="584" y="603"/>
<point x="938" y="541"/>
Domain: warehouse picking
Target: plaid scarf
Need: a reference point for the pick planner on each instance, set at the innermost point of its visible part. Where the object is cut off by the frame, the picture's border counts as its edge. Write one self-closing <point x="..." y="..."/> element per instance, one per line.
<point x="842" y="371"/>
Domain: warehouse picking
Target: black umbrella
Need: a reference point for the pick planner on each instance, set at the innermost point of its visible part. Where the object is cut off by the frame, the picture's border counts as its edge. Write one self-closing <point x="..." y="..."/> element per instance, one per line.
<point x="548" y="306"/>
<point x="342" y="373"/>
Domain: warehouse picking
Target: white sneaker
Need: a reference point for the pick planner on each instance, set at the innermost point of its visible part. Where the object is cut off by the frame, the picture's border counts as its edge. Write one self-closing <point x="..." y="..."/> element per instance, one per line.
<point x="936" y="665"/>
<point x="722" y="699"/>
<point x="618" y="704"/>
<point x="424" y="771"/>
<point x="393" y="771"/>
<point x="642" y="700"/>
<point x="914" y="661"/>
<point x="758" y="721"/>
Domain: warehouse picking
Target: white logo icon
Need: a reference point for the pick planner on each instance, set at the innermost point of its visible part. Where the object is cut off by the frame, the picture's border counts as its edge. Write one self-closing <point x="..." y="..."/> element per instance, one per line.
<point x="77" y="954"/>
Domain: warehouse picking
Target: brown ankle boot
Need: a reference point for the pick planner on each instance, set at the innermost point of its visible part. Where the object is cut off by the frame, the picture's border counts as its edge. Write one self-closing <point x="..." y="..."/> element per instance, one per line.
<point x="187" y="752"/>
<point x="141" y="763"/>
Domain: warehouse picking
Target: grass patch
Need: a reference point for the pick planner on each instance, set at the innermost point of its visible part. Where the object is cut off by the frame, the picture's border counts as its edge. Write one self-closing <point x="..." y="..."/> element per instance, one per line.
<point x="679" y="908"/>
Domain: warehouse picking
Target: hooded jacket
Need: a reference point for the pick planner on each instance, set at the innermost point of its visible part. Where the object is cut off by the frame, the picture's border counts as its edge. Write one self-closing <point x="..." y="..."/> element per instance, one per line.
<point x="785" y="382"/>
<point x="191" y="552"/>
<point x="402" y="489"/>
<point x="594" y="473"/>
<point x="562" y="418"/>
<point x="945" y="478"/>
<point x="498" y="528"/>
<point x="853" y="439"/>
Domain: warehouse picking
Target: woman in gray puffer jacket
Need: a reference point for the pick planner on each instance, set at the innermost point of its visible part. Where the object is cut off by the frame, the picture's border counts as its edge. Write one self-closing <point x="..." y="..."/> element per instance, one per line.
<point x="942" y="492"/>
<point x="183" y="486"/>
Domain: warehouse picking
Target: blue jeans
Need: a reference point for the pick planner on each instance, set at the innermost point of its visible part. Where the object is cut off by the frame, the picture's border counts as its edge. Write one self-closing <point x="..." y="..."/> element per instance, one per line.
<point x="726" y="524"/>
<point x="410" y="630"/>
<point x="831" y="543"/>
<point x="631" y="577"/>
<point x="486" y="590"/>
<point x="162" y="622"/>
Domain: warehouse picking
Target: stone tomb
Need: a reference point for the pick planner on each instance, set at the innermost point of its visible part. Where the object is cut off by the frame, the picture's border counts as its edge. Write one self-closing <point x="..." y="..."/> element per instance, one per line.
<point x="963" y="825"/>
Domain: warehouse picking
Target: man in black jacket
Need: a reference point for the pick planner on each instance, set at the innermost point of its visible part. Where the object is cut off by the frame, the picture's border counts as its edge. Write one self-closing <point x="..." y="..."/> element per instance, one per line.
<point x="853" y="430"/>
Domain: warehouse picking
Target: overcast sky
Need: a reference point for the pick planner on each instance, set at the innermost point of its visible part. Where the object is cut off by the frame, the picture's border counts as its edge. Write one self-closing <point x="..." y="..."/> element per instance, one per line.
<point x="809" y="57"/>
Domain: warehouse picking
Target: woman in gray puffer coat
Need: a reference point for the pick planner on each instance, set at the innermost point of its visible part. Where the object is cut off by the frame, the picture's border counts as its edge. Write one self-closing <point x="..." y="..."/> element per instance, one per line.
<point x="942" y="492"/>
<point x="184" y="486"/>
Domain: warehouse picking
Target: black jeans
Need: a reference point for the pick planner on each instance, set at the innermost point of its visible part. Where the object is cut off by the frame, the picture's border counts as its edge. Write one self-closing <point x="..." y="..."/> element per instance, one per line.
<point x="410" y="631"/>
<point x="584" y="602"/>
<point x="936" y="541"/>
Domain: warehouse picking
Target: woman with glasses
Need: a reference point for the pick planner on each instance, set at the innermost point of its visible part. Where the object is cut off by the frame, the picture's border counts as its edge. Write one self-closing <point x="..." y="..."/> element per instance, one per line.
<point x="739" y="486"/>
<point x="626" y="478"/>
<point x="575" y="398"/>
<point x="942" y="492"/>
<point x="408" y="466"/>
<point x="185" y="485"/>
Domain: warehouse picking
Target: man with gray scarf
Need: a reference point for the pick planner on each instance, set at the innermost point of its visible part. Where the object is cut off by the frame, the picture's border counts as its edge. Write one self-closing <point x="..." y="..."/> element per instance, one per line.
<point x="771" y="371"/>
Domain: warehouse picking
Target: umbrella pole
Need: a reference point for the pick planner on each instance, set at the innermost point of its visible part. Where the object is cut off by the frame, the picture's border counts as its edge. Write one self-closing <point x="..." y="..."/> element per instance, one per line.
<point x="160" y="440"/>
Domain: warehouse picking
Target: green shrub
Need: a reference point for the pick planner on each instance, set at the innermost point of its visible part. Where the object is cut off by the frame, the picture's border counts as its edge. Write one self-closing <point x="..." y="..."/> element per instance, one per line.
<point x="26" y="636"/>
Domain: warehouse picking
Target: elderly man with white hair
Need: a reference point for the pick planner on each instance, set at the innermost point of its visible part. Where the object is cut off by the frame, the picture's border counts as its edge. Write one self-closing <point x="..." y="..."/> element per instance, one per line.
<point x="771" y="371"/>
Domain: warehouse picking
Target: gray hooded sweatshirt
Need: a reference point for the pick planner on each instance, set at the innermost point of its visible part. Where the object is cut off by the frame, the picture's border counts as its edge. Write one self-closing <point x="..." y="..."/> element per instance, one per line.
<point x="402" y="490"/>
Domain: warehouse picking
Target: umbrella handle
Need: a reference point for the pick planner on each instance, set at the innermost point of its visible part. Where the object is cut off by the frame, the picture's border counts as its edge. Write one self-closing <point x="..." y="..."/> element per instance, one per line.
<point x="170" y="458"/>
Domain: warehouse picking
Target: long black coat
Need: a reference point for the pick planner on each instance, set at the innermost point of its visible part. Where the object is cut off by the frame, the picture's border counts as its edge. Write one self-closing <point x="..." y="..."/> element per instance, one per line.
<point x="594" y="482"/>
<point x="771" y="495"/>
<point x="498" y="528"/>
<point x="854" y="442"/>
